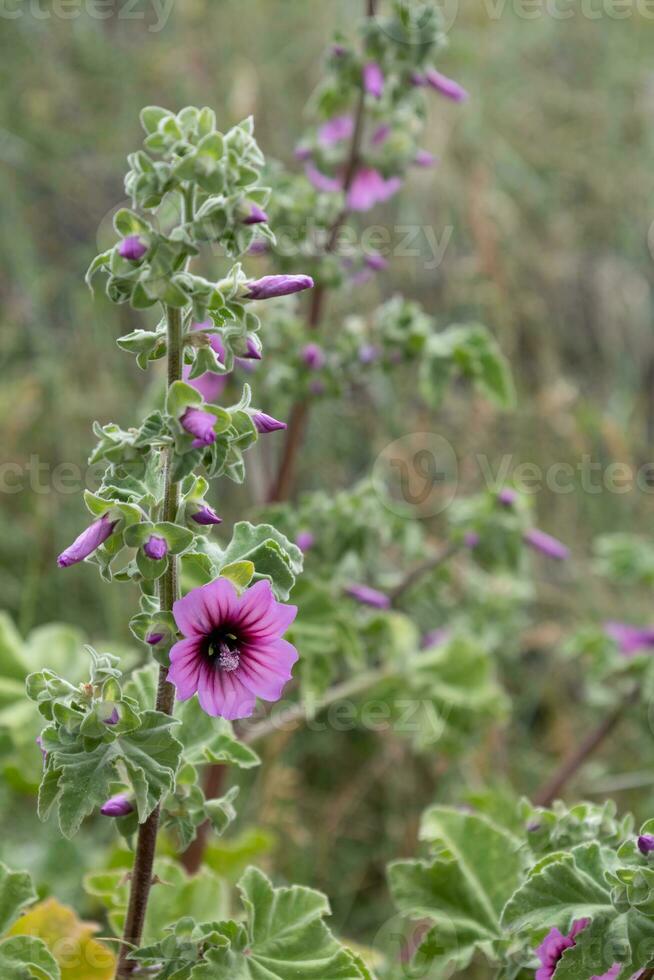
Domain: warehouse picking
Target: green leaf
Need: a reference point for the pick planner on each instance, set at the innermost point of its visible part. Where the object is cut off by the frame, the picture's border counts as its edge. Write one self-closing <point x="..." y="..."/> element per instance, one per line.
<point x="16" y="891"/>
<point x="284" y="937"/>
<point x="79" y="781"/>
<point x="151" y="116"/>
<point x="24" y="957"/>
<point x="240" y="573"/>
<point x="220" y="812"/>
<point x="208" y="739"/>
<point x="272" y="554"/>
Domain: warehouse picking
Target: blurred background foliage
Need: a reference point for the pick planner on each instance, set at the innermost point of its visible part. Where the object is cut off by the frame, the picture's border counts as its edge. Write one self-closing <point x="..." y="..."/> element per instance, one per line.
<point x="544" y="194"/>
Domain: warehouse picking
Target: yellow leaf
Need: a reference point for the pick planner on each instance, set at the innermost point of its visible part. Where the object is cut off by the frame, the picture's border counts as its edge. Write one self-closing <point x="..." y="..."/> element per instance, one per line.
<point x="80" y="957"/>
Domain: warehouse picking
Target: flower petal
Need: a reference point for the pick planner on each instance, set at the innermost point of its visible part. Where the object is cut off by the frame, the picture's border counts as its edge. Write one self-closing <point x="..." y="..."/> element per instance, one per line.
<point x="185" y="664"/>
<point x="222" y="695"/>
<point x="260" y="615"/>
<point x="266" y="668"/>
<point x="199" y="612"/>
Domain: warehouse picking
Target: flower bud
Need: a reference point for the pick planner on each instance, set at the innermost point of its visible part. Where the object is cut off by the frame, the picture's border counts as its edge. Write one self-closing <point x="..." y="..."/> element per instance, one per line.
<point x="305" y="540"/>
<point x="155" y="547"/>
<point x="471" y="539"/>
<point x="381" y="134"/>
<point x="117" y="806"/>
<point x="313" y="356"/>
<point x="113" y="718"/>
<point x="446" y="86"/>
<point x="646" y="844"/>
<point x="266" y="423"/>
<point x="546" y="545"/>
<point x="336" y="130"/>
<point x="507" y="497"/>
<point x="206" y="516"/>
<point x="270" y="287"/>
<point x="255" y="215"/>
<point x="132" y="248"/>
<point x="200" y="424"/>
<point x="424" y="158"/>
<point x="376" y="262"/>
<point x="87" y="542"/>
<point x="154" y="638"/>
<point x="252" y="352"/>
<point x="368" y="597"/>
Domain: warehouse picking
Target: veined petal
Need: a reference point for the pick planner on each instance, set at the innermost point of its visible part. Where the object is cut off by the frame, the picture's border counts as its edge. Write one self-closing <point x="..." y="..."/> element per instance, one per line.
<point x="221" y="694"/>
<point x="206" y="607"/>
<point x="266" y="668"/>
<point x="185" y="664"/>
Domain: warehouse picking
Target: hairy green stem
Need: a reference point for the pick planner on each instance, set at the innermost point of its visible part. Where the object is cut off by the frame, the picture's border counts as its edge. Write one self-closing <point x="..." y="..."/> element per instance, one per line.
<point x="141" y="877"/>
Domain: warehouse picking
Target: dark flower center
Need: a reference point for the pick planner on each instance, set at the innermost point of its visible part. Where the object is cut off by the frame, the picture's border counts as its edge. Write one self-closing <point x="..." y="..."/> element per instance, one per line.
<point x="223" y="651"/>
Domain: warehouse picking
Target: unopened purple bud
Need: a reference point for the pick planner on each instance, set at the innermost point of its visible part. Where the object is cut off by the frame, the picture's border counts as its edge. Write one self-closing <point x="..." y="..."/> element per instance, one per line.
<point x="113" y="718"/>
<point x="313" y="356"/>
<point x="39" y="742"/>
<point x="322" y="182"/>
<point x="424" y="158"/>
<point x="302" y="153"/>
<point x="646" y="844"/>
<point x="338" y="50"/>
<point x="259" y="247"/>
<point x="252" y="352"/>
<point x="381" y="134"/>
<point x="200" y="424"/>
<point x="446" y="86"/>
<point x="546" y="545"/>
<point x="373" y="79"/>
<point x="117" y="806"/>
<point x="155" y="547"/>
<point x="256" y="216"/>
<point x="270" y="287"/>
<point x="369" y="597"/>
<point x="154" y="638"/>
<point x="507" y="497"/>
<point x="317" y="387"/>
<point x="87" y="542"/>
<point x="206" y="516"/>
<point x="305" y="540"/>
<point x="418" y="79"/>
<point x="376" y="261"/>
<point x="336" y="130"/>
<point x="132" y="248"/>
<point x="434" y="638"/>
<point x="266" y="423"/>
<point x="471" y="539"/>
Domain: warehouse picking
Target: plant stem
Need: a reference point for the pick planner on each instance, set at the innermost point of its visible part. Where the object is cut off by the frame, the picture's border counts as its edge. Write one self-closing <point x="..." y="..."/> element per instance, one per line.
<point x="141" y="878"/>
<point x="571" y="765"/>
<point x="282" y="485"/>
<point x="429" y="565"/>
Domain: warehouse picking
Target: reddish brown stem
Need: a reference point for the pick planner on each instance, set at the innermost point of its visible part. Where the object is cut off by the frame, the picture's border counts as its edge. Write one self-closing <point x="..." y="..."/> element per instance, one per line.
<point x="580" y="755"/>
<point x="194" y="853"/>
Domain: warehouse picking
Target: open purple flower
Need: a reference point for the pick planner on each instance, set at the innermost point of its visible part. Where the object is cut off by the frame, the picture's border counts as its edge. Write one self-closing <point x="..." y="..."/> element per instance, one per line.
<point x="554" y="946"/>
<point x="630" y="639"/>
<point x="132" y="248"/>
<point x="646" y="844"/>
<point x="313" y="356"/>
<point x="446" y="86"/>
<point x="200" y="424"/>
<point x="336" y="130"/>
<point x="118" y="806"/>
<point x="369" y="187"/>
<point x="156" y="547"/>
<point x="270" y="287"/>
<point x="368" y="596"/>
<point x="266" y="423"/>
<point x="255" y="216"/>
<point x="373" y="79"/>
<point x="206" y="516"/>
<point x="232" y="651"/>
<point x="546" y="544"/>
<point x="87" y="542"/>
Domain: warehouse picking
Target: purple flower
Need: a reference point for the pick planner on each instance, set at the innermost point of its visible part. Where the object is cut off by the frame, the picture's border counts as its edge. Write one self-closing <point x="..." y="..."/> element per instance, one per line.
<point x="271" y="286"/>
<point x="434" y="638"/>
<point x="210" y="384"/>
<point x="446" y="86"/>
<point x="338" y="50"/>
<point x="155" y="547"/>
<point x="206" y="516"/>
<point x="266" y="423"/>
<point x="613" y="973"/>
<point x="471" y="539"/>
<point x="256" y="216"/>
<point x="554" y="946"/>
<point x="368" y="353"/>
<point x="87" y="542"/>
<point x="373" y="79"/>
<point x="546" y="544"/>
<point x="132" y="248"/>
<point x="328" y="185"/>
<point x="313" y="356"/>
<point x="376" y="261"/>
<point x="113" y="718"/>
<point x="630" y="639"/>
<point x="305" y="540"/>
<point x="117" y="806"/>
<point x="200" y="424"/>
<point x="154" y="638"/>
<point x="252" y="352"/>
<point x="335" y="130"/>
<point x="259" y="247"/>
<point x="424" y="158"/>
<point x="369" y="597"/>
<point x="369" y="187"/>
<point x="507" y="497"/>
<point x="381" y="134"/>
<point x="302" y="153"/>
<point x="646" y="844"/>
<point x="232" y="651"/>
